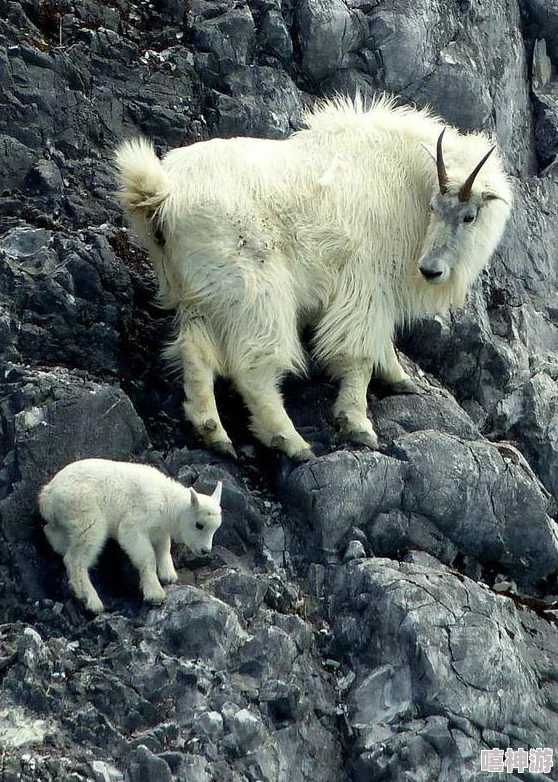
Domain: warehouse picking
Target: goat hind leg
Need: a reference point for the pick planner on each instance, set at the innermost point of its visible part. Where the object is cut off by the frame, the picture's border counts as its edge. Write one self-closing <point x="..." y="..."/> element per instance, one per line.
<point x="198" y="357"/>
<point x="78" y="560"/>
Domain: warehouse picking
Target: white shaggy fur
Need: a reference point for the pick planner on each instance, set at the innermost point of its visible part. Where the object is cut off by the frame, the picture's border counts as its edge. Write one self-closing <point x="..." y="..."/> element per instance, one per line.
<point x="92" y="500"/>
<point x="342" y="226"/>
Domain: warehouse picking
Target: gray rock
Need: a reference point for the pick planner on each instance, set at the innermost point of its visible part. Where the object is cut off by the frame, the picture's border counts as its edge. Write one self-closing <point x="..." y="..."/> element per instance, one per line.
<point x="440" y="493"/>
<point x="229" y="36"/>
<point x="432" y="408"/>
<point x="328" y="33"/>
<point x="355" y="550"/>
<point x="195" y="769"/>
<point x="542" y="64"/>
<point x="248" y="731"/>
<point x="342" y="490"/>
<point x="260" y="100"/>
<point x="245" y="592"/>
<point x="541" y="20"/>
<point x="16" y="161"/>
<point x="68" y="293"/>
<point x="423" y="641"/>
<point x="546" y="123"/>
<point x="480" y="502"/>
<point x="536" y="426"/>
<point x="192" y="624"/>
<point x="32" y="652"/>
<point x="103" y="772"/>
<point x="275" y="38"/>
<point x="209" y="724"/>
<point x="46" y="177"/>
<point x="392" y="533"/>
<point x="146" y="767"/>
<point x="405" y="56"/>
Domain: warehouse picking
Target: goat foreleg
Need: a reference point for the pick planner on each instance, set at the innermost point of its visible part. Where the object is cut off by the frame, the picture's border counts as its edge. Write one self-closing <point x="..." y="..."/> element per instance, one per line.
<point x="350" y="408"/>
<point x="269" y="420"/>
<point x="140" y="550"/>
<point x="394" y="376"/>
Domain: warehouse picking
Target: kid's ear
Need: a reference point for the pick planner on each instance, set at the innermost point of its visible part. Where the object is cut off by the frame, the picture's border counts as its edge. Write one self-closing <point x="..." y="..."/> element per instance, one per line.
<point x="194" y="498"/>
<point x="217" y="492"/>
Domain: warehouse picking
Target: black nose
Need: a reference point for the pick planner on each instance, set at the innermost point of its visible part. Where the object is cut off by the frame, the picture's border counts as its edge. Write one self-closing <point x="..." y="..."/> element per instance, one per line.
<point x="428" y="274"/>
<point x="205" y="551"/>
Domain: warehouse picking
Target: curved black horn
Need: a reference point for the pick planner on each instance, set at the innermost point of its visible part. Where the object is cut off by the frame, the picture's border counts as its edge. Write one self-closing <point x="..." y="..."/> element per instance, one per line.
<point x="443" y="180"/>
<point x="465" y="192"/>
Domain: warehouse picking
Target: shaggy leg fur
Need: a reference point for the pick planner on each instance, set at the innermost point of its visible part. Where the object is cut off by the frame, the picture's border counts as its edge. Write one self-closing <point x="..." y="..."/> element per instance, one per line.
<point x="165" y="565"/>
<point x="350" y="406"/>
<point x="141" y="552"/>
<point x="197" y="355"/>
<point x="261" y="346"/>
<point x="270" y="422"/>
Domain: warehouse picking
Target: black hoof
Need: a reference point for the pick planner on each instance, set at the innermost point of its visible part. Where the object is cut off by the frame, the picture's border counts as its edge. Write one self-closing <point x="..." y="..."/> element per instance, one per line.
<point x="306" y="455"/>
<point x="224" y="448"/>
<point x="361" y="438"/>
<point x="406" y="386"/>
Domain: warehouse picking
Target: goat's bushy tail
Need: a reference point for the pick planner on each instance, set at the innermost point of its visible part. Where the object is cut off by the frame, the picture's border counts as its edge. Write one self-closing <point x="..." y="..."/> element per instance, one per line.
<point x="142" y="179"/>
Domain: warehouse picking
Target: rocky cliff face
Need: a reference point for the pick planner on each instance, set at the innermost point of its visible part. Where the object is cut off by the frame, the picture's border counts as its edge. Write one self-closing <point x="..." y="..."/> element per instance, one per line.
<point x="366" y="616"/>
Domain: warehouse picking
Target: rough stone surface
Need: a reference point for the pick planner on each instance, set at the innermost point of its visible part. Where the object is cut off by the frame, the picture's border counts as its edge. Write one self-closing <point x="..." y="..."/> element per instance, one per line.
<point x="366" y="616"/>
<point x="440" y="665"/>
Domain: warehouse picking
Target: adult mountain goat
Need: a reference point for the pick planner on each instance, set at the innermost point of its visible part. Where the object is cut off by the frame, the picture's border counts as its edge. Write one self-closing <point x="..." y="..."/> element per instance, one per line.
<point x="358" y="224"/>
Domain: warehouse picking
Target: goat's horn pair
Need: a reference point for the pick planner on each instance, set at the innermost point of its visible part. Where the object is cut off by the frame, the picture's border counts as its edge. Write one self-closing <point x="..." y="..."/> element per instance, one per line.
<point x="443" y="180"/>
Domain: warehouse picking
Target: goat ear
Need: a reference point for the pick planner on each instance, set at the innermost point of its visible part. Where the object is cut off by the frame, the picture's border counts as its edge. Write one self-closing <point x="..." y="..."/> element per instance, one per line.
<point x="217" y="492"/>
<point x="194" y="499"/>
<point x="488" y="196"/>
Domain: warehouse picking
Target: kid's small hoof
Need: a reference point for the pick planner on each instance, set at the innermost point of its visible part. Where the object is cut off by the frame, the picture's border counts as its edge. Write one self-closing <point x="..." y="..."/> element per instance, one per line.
<point x="306" y="455"/>
<point x="95" y="606"/>
<point x="224" y="448"/>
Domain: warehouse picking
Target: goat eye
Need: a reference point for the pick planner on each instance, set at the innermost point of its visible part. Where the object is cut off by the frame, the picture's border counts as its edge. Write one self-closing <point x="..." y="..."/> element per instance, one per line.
<point x="199" y="525"/>
<point x="469" y="218"/>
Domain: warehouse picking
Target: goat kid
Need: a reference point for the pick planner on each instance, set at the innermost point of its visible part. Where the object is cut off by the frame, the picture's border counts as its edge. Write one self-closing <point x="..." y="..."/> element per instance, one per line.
<point x="359" y="224"/>
<point x="92" y="500"/>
